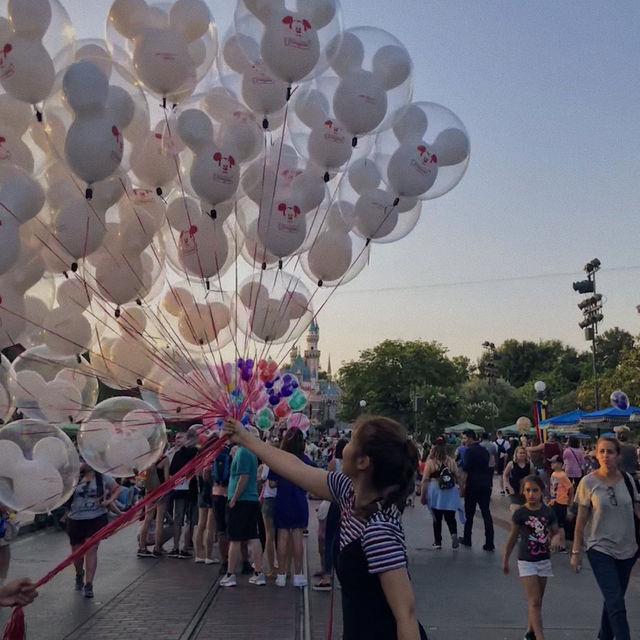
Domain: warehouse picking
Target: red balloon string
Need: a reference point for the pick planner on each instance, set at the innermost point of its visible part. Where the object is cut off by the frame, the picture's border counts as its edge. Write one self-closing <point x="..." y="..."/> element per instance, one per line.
<point x="15" y="628"/>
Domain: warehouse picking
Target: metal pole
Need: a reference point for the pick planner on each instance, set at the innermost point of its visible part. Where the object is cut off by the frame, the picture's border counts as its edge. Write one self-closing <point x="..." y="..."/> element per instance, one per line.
<point x="596" y="391"/>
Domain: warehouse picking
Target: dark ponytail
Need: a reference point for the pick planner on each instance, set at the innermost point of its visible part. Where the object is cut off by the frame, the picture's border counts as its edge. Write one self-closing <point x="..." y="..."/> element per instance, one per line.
<point x="394" y="458"/>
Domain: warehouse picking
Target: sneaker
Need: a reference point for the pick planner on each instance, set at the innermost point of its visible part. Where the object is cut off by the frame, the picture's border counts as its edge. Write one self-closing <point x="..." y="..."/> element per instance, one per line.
<point x="465" y="543"/>
<point x="211" y="561"/>
<point x="488" y="547"/>
<point x="79" y="581"/>
<point x="198" y="560"/>
<point x="88" y="590"/>
<point x="157" y="554"/>
<point x="436" y="546"/>
<point x="321" y="586"/>
<point x="281" y="580"/>
<point x="174" y="553"/>
<point x="229" y="580"/>
<point x="185" y="554"/>
<point x="502" y="493"/>
<point x="258" y="579"/>
<point x="563" y="550"/>
<point x="300" y="580"/>
<point x="530" y="635"/>
<point x="305" y="532"/>
<point x="144" y="553"/>
<point x="455" y="543"/>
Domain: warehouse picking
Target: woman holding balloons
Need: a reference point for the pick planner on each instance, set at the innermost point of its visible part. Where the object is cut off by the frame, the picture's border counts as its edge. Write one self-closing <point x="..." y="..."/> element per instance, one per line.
<point x="378" y="470"/>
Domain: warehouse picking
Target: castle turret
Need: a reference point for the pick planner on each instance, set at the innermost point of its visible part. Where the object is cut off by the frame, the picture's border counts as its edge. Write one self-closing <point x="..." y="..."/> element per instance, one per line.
<point x="312" y="355"/>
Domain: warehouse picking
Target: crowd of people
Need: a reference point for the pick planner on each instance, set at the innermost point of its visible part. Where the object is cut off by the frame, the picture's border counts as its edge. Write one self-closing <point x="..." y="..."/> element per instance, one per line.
<point x="558" y="495"/>
<point x="248" y="512"/>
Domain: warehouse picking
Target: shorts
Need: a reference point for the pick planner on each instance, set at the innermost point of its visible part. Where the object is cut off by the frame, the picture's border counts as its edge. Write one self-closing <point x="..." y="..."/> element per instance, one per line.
<point x="242" y="521"/>
<point x="205" y="501"/>
<point x="184" y="508"/>
<point x="220" y="513"/>
<point x="80" y="530"/>
<point x="541" y="568"/>
<point x="268" y="505"/>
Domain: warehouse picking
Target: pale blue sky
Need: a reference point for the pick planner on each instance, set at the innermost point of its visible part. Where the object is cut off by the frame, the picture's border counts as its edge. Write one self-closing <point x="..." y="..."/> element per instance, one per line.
<point x="549" y="93"/>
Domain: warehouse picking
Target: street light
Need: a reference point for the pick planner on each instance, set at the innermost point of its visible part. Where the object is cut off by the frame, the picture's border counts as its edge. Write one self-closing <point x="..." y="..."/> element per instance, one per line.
<point x="363" y="404"/>
<point x="591" y="308"/>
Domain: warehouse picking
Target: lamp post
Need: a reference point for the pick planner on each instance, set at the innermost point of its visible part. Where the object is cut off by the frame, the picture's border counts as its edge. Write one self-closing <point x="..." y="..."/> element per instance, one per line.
<point x="363" y="404"/>
<point x="591" y="308"/>
<point x="490" y="371"/>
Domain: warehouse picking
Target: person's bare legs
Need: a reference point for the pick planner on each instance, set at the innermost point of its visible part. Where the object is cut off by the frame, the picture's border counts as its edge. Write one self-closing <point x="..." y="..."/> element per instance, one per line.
<point x="199" y="542"/>
<point x="161" y="510"/>
<point x="235" y="556"/>
<point x="91" y="564"/>
<point x="209" y="534"/>
<point x="297" y="550"/>
<point x="256" y="554"/>
<point x="284" y="554"/>
<point x="270" y="543"/>
<point x="534" y="587"/>
<point x="144" y="529"/>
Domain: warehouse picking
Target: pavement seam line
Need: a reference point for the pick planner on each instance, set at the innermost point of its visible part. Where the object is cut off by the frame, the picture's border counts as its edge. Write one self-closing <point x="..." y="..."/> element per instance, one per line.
<point x="194" y="626"/>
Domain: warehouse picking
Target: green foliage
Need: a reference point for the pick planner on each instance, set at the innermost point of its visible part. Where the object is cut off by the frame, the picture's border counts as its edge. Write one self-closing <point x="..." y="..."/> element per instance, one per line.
<point x="390" y="375"/>
<point x="483" y="399"/>
<point x="610" y="347"/>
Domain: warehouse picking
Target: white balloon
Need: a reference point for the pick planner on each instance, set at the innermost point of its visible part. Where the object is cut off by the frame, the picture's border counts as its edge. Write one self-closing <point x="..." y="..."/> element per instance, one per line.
<point x="451" y="146"/>
<point x="20" y="194"/>
<point x="162" y="61"/>
<point x="412" y="169"/>
<point x="68" y="332"/>
<point x="290" y="46"/>
<point x="12" y="313"/>
<point x="364" y="175"/>
<point x="283" y="229"/>
<point x="392" y="65"/>
<point x="9" y="242"/>
<point x="26" y="69"/>
<point x="85" y="87"/>
<point x="195" y="129"/>
<point x="203" y="248"/>
<point x="60" y="401"/>
<point x="215" y="173"/>
<point x="360" y="101"/>
<point x="375" y="214"/>
<point x="330" y="256"/>
<point x="190" y="17"/>
<point x="30" y="18"/>
<point x="51" y="450"/>
<point x="128" y="16"/>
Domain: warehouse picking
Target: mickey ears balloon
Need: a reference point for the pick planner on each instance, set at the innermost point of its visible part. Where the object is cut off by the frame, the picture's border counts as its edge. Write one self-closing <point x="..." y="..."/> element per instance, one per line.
<point x="173" y="47"/>
<point x="425" y="153"/>
<point x="293" y="41"/>
<point x="39" y="466"/>
<point x="619" y="400"/>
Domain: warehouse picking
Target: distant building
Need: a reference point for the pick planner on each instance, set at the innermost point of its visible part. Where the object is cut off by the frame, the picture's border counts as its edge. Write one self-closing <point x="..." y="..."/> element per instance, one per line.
<point x="322" y="392"/>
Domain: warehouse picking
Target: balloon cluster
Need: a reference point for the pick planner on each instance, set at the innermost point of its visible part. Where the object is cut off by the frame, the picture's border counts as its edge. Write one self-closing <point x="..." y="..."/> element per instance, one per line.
<point x="138" y="239"/>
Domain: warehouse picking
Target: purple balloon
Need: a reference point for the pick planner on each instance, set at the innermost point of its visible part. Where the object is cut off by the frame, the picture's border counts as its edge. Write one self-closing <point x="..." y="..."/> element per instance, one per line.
<point x="274" y="399"/>
<point x="286" y="390"/>
<point x="620" y="400"/>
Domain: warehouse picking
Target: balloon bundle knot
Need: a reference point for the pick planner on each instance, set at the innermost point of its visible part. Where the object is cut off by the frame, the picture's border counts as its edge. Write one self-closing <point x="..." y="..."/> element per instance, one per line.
<point x="88" y="194"/>
<point x="354" y="142"/>
<point x="265" y="123"/>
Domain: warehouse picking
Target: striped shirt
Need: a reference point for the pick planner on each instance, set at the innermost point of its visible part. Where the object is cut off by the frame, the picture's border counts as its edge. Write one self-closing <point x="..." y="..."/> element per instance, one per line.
<point x="381" y="536"/>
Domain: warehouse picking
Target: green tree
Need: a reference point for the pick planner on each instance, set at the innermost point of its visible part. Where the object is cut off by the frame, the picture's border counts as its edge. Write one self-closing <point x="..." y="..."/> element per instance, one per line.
<point x="625" y="377"/>
<point x="610" y="346"/>
<point x="478" y="394"/>
<point x="389" y="377"/>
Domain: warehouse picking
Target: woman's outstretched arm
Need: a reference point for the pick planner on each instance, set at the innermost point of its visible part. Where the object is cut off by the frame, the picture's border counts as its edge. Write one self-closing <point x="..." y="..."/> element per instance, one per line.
<point x="283" y="463"/>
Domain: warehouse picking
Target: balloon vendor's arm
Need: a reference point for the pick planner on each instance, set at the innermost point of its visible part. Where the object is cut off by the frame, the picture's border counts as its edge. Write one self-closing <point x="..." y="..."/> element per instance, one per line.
<point x="399" y="594"/>
<point x="283" y="463"/>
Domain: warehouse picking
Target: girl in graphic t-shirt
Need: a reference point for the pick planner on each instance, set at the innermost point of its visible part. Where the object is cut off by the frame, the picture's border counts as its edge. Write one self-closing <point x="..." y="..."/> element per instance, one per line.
<point x="378" y="471"/>
<point x="537" y="526"/>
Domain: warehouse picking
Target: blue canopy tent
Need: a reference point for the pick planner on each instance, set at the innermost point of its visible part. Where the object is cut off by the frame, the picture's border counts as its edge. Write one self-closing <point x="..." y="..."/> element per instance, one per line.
<point x="607" y="418"/>
<point x="564" y="421"/>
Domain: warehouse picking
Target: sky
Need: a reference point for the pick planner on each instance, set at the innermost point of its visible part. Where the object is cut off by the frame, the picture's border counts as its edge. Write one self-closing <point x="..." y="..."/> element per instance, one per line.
<point x="549" y="94"/>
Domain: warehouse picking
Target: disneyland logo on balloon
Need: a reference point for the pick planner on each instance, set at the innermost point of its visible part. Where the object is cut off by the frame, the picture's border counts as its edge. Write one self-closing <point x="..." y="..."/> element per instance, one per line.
<point x="7" y="69"/>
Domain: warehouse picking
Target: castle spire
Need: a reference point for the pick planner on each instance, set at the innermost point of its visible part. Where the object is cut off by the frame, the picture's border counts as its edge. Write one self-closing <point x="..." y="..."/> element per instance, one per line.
<point x="329" y="367"/>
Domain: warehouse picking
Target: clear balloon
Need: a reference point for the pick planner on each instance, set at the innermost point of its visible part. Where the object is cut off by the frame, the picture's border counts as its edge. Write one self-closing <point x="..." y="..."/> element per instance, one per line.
<point x="122" y="437"/>
<point x="39" y="466"/>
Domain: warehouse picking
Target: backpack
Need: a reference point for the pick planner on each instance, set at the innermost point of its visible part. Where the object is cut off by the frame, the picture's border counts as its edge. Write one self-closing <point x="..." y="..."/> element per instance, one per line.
<point x="501" y="448"/>
<point x="445" y="481"/>
<point x="222" y="468"/>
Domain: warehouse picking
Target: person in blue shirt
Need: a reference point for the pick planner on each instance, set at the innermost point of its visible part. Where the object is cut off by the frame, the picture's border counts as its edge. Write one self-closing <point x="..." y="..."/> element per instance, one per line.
<point x="242" y="523"/>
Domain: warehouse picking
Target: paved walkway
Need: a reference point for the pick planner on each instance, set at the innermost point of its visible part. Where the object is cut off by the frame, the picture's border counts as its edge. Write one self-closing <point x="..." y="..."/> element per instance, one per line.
<point x="458" y="594"/>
